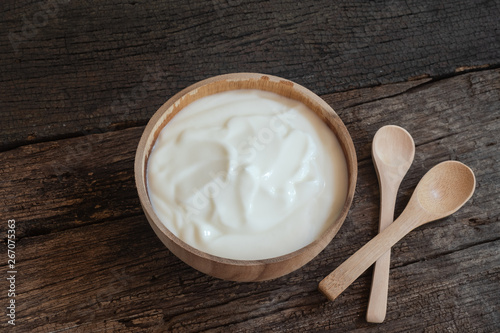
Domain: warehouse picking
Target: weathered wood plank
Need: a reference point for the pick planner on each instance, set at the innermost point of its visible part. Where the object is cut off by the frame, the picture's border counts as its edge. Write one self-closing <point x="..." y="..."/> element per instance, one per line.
<point x="67" y="183"/>
<point x="89" y="67"/>
<point x="117" y="276"/>
<point x="73" y="176"/>
<point x="88" y="260"/>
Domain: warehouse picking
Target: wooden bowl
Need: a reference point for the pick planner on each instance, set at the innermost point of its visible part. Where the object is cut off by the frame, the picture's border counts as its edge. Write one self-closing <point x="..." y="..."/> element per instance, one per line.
<point x="230" y="269"/>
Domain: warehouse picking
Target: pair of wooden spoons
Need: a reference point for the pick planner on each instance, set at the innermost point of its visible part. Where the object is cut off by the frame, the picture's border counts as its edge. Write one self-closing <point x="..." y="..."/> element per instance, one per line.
<point x="442" y="191"/>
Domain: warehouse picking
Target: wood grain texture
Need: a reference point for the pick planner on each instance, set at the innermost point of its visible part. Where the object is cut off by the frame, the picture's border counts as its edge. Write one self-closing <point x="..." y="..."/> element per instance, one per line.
<point x="85" y="67"/>
<point x="88" y="260"/>
<point x="80" y="79"/>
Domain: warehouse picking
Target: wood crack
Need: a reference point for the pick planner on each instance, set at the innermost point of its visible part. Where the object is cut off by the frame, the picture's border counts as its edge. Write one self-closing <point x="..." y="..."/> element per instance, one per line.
<point x="445" y="253"/>
<point x="434" y="80"/>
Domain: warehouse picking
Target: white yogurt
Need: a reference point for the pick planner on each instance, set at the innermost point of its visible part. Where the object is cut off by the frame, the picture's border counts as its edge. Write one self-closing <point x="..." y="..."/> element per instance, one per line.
<point x="247" y="174"/>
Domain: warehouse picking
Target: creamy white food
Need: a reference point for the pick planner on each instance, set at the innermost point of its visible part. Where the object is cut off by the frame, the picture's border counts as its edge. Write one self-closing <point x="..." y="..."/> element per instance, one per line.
<point x="247" y="174"/>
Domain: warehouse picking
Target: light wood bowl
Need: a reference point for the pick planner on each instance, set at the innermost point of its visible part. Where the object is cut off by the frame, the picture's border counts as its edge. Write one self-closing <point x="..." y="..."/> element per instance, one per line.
<point x="230" y="269"/>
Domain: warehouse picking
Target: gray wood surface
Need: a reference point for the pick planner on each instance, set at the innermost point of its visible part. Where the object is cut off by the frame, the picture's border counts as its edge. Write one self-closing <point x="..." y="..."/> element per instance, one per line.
<point x="75" y="96"/>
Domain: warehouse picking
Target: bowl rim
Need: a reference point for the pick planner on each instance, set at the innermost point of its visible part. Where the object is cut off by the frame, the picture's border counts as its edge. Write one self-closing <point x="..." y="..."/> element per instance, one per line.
<point x="145" y="146"/>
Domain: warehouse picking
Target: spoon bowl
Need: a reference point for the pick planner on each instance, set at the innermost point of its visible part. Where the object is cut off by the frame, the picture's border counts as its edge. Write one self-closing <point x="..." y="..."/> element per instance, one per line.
<point x="442" y="191"/>
<point x="393" y="149"/>
<point x="446" y="189"/>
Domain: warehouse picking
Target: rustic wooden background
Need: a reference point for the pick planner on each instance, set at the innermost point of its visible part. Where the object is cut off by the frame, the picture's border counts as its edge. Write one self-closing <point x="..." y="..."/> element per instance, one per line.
<point x="80" y="79"/>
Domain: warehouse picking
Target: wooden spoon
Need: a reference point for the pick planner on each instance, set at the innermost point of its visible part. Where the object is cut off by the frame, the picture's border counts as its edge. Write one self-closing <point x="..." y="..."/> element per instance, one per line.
<point x="441" y="192"/>
<point x="393" y="151"/>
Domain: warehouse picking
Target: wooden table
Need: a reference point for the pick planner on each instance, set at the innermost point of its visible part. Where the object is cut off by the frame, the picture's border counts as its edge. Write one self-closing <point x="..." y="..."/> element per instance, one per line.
<point x="80" y="79"/>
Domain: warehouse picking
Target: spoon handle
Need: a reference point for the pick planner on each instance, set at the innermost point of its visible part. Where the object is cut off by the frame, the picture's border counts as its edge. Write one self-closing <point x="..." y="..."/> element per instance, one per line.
<point x="377" y="304"/>
<point x="337" y="281"/>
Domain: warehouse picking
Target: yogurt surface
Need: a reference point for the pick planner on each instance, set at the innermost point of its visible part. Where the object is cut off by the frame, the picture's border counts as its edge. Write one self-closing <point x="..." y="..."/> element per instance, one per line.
<point x="247" y="174"/>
